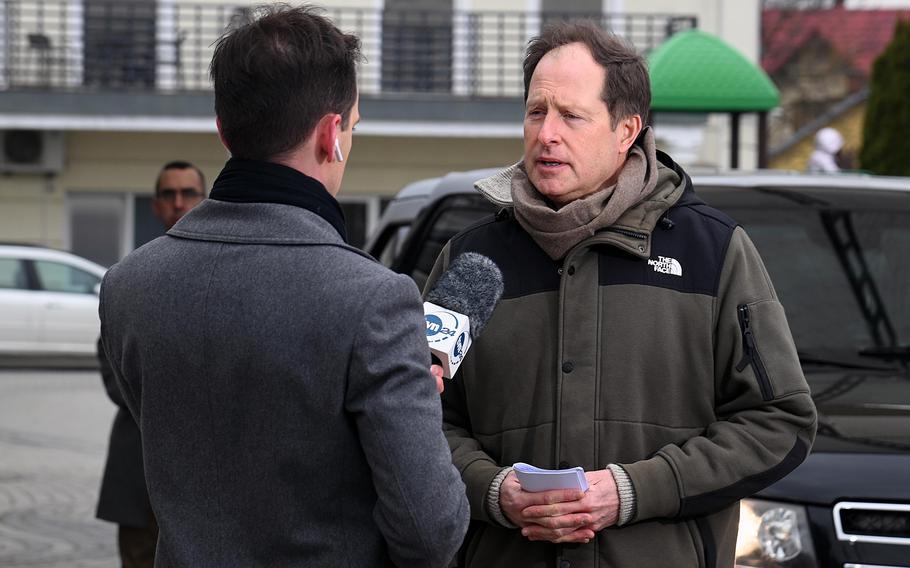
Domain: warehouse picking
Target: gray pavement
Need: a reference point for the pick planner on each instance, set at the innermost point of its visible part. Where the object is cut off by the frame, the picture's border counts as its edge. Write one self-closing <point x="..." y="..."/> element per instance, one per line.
<point x="54" y="426"/>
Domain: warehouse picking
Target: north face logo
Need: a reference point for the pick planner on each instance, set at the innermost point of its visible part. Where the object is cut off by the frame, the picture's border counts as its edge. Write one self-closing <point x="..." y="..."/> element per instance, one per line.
<point x="666" y="265"/>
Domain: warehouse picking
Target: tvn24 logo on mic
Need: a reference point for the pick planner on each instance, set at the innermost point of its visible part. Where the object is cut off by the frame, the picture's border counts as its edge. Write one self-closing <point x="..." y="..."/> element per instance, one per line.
<point x="448" y="336"/>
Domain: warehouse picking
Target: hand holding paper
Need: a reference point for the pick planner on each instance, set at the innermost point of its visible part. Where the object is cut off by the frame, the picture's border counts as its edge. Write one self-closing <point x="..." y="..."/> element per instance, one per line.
<point x="514" y="501"/>
<point x="599" y="506"/>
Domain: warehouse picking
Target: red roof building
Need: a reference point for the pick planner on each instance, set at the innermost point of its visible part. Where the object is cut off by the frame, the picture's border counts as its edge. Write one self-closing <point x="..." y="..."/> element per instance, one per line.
<point x="821" y="62"/>
<point x="858" y="36"/>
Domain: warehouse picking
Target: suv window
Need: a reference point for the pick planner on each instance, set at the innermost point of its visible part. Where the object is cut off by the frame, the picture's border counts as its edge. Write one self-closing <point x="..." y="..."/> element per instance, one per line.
<point x="12" y="274"/>
<point x="841" y="286"/>
<point x="390" y="242"/>
<point x="449" y="216"/>
<point x="59" y="277"/>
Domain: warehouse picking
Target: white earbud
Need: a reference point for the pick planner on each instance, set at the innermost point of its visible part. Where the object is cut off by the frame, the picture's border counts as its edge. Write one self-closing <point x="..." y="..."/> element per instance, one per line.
<point x="338" y="155"/>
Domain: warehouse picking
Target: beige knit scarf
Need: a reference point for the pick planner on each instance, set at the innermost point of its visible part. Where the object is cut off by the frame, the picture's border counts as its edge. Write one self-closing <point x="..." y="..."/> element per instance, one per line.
<point x="556" y="231"/>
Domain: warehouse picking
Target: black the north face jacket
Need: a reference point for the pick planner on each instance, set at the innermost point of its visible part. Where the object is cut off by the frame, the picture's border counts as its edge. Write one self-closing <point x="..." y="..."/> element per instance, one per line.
<point x="658" y="344"/>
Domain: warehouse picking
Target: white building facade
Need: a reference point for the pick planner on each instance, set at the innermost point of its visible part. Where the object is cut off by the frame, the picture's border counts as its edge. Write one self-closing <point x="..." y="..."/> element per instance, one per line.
<point x="96" y="95"/>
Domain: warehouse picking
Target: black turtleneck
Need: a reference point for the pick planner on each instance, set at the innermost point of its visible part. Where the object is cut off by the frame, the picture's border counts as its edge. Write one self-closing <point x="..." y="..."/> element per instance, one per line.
<point x="254" y="181"/>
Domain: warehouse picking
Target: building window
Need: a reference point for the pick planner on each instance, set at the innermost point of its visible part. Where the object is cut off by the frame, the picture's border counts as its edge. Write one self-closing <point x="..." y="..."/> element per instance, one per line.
<point x="120" y="47"/>
<point x="417" y="46"/>
<point x="571" y="7"/>
<point x="97" y="228"/>
<point x="559" y="10"/>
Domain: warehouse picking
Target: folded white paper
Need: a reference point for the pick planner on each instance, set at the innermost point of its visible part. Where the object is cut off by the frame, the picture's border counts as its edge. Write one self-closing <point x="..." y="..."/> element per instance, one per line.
<point x="536" y="479"/>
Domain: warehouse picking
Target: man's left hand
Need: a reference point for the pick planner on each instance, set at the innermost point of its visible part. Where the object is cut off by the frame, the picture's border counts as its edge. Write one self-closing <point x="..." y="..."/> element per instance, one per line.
<point x="601" y="502"/>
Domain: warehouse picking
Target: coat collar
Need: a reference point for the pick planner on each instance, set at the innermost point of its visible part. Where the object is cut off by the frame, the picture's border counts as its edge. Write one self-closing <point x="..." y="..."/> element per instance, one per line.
<point x="256" y="223"/>
<point x="256" y="181"/>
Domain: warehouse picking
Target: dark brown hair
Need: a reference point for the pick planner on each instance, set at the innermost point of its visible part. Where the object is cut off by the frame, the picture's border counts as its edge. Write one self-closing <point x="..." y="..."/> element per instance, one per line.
<point x="627" y="88"/>
<point x="179" y="165"/>
<point x="277" y="75"/>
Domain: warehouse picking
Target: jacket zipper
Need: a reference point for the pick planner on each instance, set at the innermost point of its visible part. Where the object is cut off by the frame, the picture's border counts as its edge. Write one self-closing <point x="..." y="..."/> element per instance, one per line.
<point x="751" y="355"/>
<point x="631" y="234"/>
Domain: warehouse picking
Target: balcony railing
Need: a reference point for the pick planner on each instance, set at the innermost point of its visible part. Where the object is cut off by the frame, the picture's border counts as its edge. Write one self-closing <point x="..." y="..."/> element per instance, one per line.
<point x="166" y="47"/>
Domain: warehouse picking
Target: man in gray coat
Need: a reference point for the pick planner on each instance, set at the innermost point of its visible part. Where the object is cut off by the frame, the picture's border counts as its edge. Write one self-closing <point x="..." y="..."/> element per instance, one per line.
<point x="279" y="376"/>
<point x="123" y="498"/>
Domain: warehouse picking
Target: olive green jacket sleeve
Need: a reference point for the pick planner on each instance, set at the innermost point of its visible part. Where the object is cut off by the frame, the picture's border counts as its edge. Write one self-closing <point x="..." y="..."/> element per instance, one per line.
<point x="765" y="418"/>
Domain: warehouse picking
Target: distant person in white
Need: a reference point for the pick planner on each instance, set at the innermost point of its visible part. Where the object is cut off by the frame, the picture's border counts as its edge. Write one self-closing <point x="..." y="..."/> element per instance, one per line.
<point x="828" y="142"/>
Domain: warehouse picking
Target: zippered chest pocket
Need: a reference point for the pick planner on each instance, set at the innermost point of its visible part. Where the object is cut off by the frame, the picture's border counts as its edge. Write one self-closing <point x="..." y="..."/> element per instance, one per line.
<point x="768" y="348"/>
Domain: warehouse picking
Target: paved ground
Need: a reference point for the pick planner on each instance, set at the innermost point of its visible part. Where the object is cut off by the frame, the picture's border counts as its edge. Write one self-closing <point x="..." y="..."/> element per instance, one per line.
<point x="53" y="439"/>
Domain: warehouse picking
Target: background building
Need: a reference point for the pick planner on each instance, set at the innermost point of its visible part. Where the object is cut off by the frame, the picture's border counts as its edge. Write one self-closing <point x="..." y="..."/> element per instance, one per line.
<point x="821" y="61"/>
<point x="95" y="95"/>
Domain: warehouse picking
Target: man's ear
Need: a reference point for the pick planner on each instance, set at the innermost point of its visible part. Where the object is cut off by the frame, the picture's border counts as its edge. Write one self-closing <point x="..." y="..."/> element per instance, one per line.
<point x="327" y="131"/>
<point x="221" y="135"/>
<point x="629" y="129"/>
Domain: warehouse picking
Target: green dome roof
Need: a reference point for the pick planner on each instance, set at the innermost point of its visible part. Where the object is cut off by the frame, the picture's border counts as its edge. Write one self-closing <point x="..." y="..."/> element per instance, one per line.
<point x="695" y="71"/>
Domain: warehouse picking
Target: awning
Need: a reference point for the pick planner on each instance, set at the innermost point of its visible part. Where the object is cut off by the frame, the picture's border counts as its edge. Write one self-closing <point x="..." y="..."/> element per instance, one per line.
<point x="697" y="72"/>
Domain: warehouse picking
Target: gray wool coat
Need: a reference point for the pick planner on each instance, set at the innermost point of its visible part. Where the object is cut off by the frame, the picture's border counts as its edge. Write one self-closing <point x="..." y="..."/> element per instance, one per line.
<point x="280" y="380"/>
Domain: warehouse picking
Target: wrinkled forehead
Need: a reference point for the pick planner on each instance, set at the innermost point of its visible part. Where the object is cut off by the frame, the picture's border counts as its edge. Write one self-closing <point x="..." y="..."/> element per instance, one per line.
<point x="568" y="75"/>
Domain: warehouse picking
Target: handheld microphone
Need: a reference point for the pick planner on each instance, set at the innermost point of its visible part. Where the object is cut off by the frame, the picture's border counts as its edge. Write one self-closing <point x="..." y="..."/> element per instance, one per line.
<point x="459" y="306"/>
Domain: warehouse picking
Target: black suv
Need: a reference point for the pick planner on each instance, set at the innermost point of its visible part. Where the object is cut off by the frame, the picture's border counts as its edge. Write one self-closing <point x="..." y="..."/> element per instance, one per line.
<point x="838" y="250"/>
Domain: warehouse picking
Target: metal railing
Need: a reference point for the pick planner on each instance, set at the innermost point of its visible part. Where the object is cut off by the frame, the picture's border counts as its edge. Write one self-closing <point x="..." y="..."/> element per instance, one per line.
<point x="123" y="45"/>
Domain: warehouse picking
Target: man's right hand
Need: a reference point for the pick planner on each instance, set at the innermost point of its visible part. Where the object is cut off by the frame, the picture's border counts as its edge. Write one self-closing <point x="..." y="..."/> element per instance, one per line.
<point x="437" y="372"/>
<point x="513" y="501"/>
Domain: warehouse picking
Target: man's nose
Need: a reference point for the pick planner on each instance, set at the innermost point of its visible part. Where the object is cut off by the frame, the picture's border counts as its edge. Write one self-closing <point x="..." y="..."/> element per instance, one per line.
<point x="178" y="201"/>
<point x="549" y="130"/>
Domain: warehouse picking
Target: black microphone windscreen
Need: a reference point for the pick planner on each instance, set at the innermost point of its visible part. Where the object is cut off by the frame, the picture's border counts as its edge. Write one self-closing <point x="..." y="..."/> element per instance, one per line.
<point x="472" y="285"/>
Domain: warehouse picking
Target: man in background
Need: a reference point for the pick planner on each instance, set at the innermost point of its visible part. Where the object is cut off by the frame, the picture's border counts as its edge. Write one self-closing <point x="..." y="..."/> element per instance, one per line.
<point x="124" y="497"/>
<point x="180" y="187"/>
<point x="281" y="377"/>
